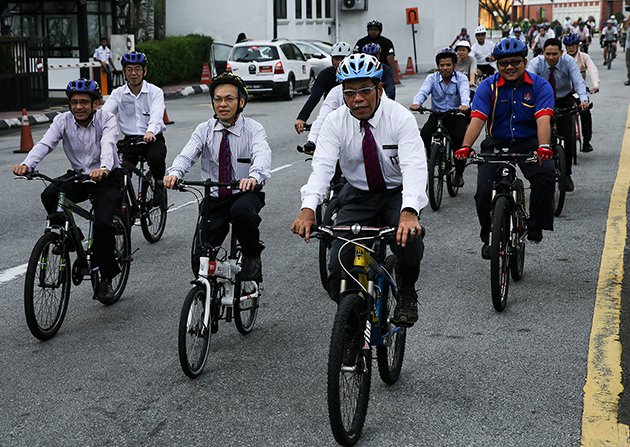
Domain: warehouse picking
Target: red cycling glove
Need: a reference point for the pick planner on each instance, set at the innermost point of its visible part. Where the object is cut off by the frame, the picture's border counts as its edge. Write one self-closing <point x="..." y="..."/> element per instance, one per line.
<point x="544" y="153"/>
<point x="464" y="152"/>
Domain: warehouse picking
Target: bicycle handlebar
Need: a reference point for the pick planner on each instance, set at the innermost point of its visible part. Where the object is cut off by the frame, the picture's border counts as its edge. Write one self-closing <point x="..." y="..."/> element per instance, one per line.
<point x="564" y="111"/>
<point x="422" y="109"/>
<point x="503" y="158"/>
<point x="181" y="184"/>
<point x="81" y="178"/>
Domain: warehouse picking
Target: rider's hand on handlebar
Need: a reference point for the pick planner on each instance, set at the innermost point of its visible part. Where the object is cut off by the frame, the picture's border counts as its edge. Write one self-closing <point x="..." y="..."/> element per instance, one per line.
<point x="544" y="153"/>
<point x="20" y="169"/>
<point x="98" y="174"/>
<point x="303" y="223"/>
<point x="299" y="126"/>
<point x="170" y="181"/>
<point x="415" y="107"/>
<point x="464" y="152"/>
<point x="463" y="108"/>
<point x="149" y="137"/>
<point x="408" y="228"/>
<point x="247" y="184"/>
<point x="309" y="148"/>
<point x="594" y="90"/>
<point x="584" y="105"/>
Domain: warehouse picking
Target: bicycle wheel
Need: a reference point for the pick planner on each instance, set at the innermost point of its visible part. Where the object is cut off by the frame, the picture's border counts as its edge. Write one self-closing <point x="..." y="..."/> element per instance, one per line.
<point x="390" y="356"/>
<point x="245" y="304"/>
<point x="349" y="371"/>
<point x="560" y="185"/>
<point x="152" y="215"/>
<point x="450" y="174"/>
<point x="324" y="246"/>
<point x="517" y="263"/>
<point x="499" y="253"/>
<point x="436" y="174"/>
<point x="574" y="137"/>
<point x="578" y="135"/>
<point x="193" y="341"/>
<point x="47" y="287"/>
<point x="609" y="60"/>
<point x="122" y="257"/>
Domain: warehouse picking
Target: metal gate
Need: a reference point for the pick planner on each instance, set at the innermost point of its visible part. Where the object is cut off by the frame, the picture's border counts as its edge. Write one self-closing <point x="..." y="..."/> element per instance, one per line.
<point x="23" y="74"/>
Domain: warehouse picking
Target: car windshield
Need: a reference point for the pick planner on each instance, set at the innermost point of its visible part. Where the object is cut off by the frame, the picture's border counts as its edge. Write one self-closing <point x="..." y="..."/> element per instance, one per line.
<point x="254" y="53"/>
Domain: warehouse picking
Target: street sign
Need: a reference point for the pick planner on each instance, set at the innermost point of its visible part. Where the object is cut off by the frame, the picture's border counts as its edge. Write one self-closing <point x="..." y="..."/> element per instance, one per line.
<point x="412" y="16"/>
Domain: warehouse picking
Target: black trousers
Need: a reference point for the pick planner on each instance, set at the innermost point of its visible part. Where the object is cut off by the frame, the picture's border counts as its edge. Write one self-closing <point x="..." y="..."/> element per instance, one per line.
<point x="540" y="176"/>
<point x="456" y="126"/>
<point x="369" y="208"/>
<point x="243" y="211"/>
<point x="586" y="120"/>
<point x="565" y="128"/>
<point x="486" y="69"/>
<point x="154" y="153"/>
<point x="106" y="197"/>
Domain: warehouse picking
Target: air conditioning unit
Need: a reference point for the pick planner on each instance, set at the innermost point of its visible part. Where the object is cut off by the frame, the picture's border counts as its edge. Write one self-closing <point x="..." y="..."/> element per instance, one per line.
<point x="354" y="5"/>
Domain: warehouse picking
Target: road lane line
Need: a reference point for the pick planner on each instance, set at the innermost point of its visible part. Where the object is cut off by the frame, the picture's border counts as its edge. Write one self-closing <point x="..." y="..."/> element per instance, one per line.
<point x="600" y="426"/>
<point x="280" y="168"/>
<point x="175" y="208"/>
<point x="12" y="273"/>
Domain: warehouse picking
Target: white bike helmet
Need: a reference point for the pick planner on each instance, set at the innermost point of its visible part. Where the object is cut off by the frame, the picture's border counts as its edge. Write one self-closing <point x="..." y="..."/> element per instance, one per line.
<point x="480" y="30"/>
<point x="341" y="49"/>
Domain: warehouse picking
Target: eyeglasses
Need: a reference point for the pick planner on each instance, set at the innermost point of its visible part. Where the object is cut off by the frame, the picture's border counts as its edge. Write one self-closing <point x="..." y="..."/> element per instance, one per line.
<point x="81" y="102"/>
<point x="219" y="100"/>
<point x="349" y="93"/>
<point x="134" y="69"/>
<point x="513" y="62"/>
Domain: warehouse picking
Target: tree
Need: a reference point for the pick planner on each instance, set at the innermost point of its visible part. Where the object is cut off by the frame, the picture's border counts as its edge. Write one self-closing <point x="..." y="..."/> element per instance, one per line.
<point x="500" y="10"/>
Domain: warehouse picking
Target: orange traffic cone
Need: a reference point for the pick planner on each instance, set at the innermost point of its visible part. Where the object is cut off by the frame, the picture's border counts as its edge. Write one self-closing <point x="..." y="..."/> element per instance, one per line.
<point x="166" y="119"/>
<point x="409" y="70"/>
<point x="26" y="140"/>
<point x="397" y="68"/>
<point x="205" y="74"/>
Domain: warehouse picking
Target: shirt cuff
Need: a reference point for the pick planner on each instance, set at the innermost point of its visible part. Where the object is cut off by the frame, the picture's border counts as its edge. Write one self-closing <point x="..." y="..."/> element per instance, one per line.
<point x="310" y="202"/>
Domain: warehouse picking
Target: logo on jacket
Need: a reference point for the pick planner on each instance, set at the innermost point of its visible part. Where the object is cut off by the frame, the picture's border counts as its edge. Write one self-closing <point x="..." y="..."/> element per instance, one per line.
<point x="527" y="96"/>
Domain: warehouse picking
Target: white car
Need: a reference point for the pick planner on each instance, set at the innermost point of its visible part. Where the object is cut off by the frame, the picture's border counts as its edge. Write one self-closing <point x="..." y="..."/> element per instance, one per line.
<point x="271" y="67"/>
<point x="317" y="53"/>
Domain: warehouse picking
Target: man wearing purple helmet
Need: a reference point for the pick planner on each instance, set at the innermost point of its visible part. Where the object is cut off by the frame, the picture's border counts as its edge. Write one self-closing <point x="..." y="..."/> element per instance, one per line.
<point x="374" y="35"/>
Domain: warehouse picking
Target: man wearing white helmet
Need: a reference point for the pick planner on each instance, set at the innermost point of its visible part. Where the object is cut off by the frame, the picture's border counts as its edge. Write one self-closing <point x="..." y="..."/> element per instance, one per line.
<point x="325" y="81"/>
<point x="482" y="51"/>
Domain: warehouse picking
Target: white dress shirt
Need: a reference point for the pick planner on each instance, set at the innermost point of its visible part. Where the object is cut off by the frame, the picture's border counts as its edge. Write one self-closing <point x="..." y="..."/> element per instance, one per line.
<point x="251" y="154"/>
<point x="401" y="153"/>
<point x="87" y="148"/>
<point x="333" y="101"/>
<point x="102" y="54"/>
<point x="138" y="114"/>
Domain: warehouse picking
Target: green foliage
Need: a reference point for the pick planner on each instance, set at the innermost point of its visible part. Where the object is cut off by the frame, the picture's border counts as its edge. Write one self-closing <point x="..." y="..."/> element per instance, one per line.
<point x="176" y="59"/>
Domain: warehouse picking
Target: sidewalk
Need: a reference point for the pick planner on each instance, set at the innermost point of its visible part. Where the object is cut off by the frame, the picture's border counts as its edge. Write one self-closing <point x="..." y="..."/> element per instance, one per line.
<point x="13" y="119"/>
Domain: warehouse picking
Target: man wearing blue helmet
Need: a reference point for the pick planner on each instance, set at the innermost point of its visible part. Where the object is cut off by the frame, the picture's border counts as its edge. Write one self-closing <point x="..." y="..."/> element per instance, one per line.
<point x="516" y="108"/>
<point x="379" y="150"/>
<point x="140" y="109"/>
<point x="89" y="142"/>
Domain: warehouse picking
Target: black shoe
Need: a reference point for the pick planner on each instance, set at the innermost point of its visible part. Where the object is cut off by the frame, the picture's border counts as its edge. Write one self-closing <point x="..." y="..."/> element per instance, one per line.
<point x="105" y="290"/>
<point x="406" y="312"/>
<point x="568" y="184"/>
<point x="252" y="269"/>
<point x="586" y="147"/>
<point x="485" y="251"/>
<point x="458" y="181"/>
<point x="159" y="195"/>
<point x="534" y="235"/>
<point x="627" y="82"/>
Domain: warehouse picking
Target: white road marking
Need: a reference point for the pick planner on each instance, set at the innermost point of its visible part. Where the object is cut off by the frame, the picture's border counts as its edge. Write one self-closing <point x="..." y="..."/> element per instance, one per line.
<point x="181" y="206"/>
<point x="12" y="273"/>
<point x="280" y="168"/>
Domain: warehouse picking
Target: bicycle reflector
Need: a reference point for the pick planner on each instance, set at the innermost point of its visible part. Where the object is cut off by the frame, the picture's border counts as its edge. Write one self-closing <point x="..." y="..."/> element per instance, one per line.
<point x="206" y="266"/>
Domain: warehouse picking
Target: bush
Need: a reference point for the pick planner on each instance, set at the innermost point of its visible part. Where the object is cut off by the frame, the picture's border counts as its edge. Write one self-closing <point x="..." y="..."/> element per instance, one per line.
<point x="176" y="59"/>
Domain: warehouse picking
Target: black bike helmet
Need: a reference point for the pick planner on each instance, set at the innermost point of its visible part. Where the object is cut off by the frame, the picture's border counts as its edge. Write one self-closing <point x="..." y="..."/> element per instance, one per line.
<point x="83" y="86"/>
<point x="446" y="52"/>
<point x="509" y="46"/>
<point x="375" y="23"/>
<point x="232" y="79"/>
<point x="134" y="58"/>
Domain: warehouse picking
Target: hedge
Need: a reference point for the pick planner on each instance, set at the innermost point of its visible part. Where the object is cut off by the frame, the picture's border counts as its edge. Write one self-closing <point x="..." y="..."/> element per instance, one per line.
<point x="176" y="59"/>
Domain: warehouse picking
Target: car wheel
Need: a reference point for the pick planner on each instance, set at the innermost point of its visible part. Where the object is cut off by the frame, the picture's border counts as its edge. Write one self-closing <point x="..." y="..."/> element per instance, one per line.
<point x="290" y="89"/>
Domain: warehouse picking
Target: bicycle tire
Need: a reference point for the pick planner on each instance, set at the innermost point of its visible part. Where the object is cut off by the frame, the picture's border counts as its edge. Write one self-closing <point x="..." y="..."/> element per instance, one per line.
<point x="499" y="254"/>
<point x="390" y="356"/>
<point x="152" y="216"/>
<point x="245" y="306"/>
<point x="49" y="304"/>
<point x="517" y="263"/>
<point x="436" y="173"/>
<point x="560" y="182"/>
<point x="574" y="137"/>
<point x="609" y="60"/>
<point x="122" y="257"/>
<point x="193" y="355"/>
<point x="346" y="351"/>
<point x="324" y="246"/>
<point x="450" y="174"/>
<point x="578" y="134"/>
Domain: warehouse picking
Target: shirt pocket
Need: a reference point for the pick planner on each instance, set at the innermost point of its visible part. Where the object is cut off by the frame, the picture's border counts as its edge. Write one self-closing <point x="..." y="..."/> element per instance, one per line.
<point x="390" y="161"/>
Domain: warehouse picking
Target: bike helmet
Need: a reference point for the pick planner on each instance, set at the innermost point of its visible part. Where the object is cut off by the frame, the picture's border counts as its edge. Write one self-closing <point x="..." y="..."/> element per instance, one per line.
<point x="509" y="46"/>
<point x="446" y="52"/>
<point x="571" y="39"/>
<point x="480" y="30"/>
<point x="134" y="58"/>
<point x="341" y="49"/>
<point x="359" y="66"/>
<point x="83" y="86"/>
<point x="463" y="44"/>
<point x="371" y="48"/>
<point x="517" y="29"/>
<point x="375" y="23"/>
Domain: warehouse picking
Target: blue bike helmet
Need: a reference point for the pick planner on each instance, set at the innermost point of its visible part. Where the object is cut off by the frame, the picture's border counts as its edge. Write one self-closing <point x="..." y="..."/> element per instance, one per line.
<point x="359" y="66"/>
<point x="134" y="58"/>
<point x="371" y="48"/>
<point x="509" y="46"/>
<point x="571" y="39"/>
<point x="83" y="86"/>
<point x="444" y="53"/>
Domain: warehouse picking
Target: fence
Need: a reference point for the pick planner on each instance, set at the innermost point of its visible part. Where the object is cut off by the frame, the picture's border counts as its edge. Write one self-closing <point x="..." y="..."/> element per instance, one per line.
<point x="23" y="74"/>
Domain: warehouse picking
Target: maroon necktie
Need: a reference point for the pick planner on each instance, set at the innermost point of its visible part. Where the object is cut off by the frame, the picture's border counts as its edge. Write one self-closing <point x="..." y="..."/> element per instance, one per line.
<point x="225" y="165"/>
<point x="552" y="80"/>
<point x="375" y="180"/>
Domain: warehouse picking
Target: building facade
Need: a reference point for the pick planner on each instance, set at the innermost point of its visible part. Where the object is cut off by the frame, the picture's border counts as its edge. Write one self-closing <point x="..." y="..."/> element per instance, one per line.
<point x="559" y="9"/>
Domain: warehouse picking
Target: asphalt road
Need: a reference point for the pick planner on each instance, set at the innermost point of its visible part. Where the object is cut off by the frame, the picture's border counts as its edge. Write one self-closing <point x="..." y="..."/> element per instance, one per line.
<point x="471" y="376"/>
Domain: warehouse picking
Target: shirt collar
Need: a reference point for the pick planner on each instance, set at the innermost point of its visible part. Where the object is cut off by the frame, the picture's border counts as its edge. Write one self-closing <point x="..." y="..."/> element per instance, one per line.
<point x="526" y="79"/>
<point x="143" y="89"/>
<point x="235" y="129"/>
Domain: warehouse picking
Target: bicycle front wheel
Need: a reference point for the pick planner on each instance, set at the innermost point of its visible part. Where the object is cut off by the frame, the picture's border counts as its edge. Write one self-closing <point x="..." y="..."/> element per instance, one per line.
<point x="499" y="256"/>
<point x="330" y="215"/>
<point x="390" y="356"/>
<point x="560" y="184"/>
<point x="349" y="371"/>
<point x="517" y="263"/>
<point x="436" y="174"/>
<point x="153" y="215"/>
<point x="122" y="257"/>
<point x="450" y="173"/>
<point x="245" y="305"/>
<point x="193" y="335"/>
<point x="47" y="287"/>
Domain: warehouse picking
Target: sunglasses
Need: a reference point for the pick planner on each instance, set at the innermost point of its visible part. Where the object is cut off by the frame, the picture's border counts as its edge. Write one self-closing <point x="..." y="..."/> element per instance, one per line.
<point x="513" y="62"/>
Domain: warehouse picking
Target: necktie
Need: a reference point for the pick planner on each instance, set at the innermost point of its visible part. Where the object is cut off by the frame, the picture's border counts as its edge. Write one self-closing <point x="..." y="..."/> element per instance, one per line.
<point x="375" y="180"/>
<point x="552" y="80"/>
<point x="225" y="165"/>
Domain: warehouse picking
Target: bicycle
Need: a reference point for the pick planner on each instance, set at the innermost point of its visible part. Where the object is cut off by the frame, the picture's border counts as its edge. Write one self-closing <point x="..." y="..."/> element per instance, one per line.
<point x="608" y="53"/>
<point x="141" y="205"/>
<point x="48" y="275"/>
<point x="441" y="164"/>
<point x="509" y="217"/>
<point x="217" y="293"/>
<point x="368" y="298"/>
<point x="559" y="160"/>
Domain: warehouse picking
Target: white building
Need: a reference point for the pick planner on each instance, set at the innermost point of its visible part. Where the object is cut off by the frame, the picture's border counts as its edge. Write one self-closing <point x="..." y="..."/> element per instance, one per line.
<point x="328" y="20"/>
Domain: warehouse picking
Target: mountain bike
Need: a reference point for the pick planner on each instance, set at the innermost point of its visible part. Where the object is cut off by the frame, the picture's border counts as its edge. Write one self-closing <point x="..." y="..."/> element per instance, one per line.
<point x="49" y="272"/>
<point x="369" y="294"/>
<point x="217" y="294"/>
<point x="509" y="217"/>
<point x="141" y="205"/>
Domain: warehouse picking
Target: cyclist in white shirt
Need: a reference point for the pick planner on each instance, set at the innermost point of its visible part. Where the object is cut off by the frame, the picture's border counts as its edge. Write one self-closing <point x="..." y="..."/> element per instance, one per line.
<point x="609" y="34"/>
<point x="103" y="55"/>
<point x="482" y="51"/>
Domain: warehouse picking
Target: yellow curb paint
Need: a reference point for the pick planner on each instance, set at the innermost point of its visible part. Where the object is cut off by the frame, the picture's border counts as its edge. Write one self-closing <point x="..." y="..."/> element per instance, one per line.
<point x="600" y="426"/>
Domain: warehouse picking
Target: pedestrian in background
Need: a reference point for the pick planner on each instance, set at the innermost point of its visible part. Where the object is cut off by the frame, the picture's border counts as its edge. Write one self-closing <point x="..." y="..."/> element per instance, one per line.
<point x="241" y="38"/>
<point x="103" y="55"/>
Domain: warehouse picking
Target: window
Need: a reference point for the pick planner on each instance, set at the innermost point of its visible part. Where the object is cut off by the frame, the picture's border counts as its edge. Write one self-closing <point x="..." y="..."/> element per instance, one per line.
<point x="309" y="9"/>
<point x="298" y="9"/>
<point x="280" y="7"/>
<point x="318" y="8"/>
<point x="327" y="9"/>
<point x="254" y="53"/>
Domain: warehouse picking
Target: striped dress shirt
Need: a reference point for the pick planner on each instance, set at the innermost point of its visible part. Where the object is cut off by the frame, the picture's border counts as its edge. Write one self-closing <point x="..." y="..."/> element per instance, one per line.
<point x="138" y="114"/>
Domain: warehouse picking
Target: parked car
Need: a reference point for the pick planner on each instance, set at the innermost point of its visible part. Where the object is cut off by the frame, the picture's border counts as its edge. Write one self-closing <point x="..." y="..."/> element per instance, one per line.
<point x="317" y="53"/>
<point x="219" y="53"/>
<point x="272" y="67"/>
